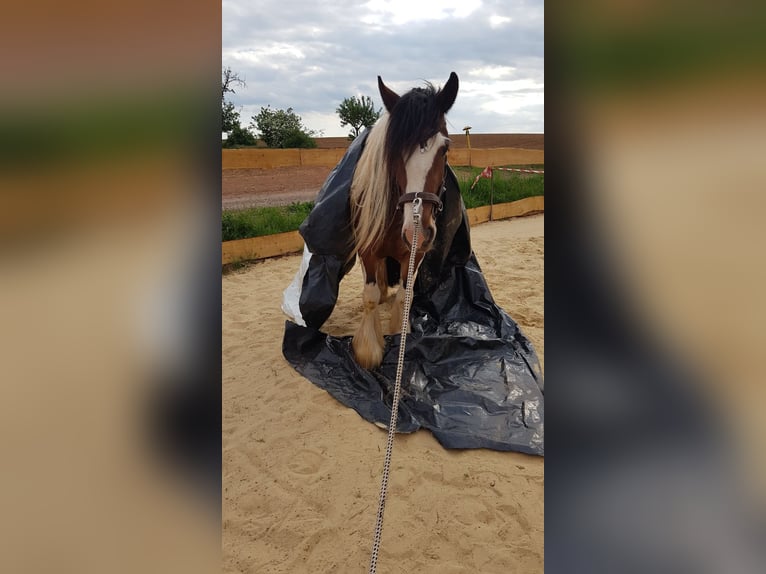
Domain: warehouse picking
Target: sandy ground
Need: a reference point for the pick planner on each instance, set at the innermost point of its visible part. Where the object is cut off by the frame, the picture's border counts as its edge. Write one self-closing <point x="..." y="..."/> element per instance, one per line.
<point x="301" y="472"/>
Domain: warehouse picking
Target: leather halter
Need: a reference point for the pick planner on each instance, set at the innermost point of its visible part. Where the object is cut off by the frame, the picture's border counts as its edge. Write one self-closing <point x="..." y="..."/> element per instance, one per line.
<point x="425" y="196"/>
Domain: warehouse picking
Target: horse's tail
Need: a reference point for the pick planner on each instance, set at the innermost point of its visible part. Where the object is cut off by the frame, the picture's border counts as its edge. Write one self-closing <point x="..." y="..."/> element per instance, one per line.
<point x="370" y="193"/>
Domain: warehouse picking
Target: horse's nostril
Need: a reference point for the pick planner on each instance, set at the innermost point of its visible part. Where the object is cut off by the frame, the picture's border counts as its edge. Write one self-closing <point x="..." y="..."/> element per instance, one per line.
<point x="425" y="237"/>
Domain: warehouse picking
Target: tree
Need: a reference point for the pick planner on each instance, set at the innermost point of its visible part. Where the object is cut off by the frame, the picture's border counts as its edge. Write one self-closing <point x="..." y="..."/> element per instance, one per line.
<point x="239" y="136"/>
<point x="230" y="78"/>
<point x="299" y="139"/>
<point x="282" y="128"/>
<point x="229" y="115"/>
<point x="357" y="113"/>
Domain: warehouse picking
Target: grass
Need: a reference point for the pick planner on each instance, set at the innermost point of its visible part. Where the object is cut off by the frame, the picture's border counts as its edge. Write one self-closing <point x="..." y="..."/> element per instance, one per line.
<point x="257" y="221"/>
<point x="504" y="188"/>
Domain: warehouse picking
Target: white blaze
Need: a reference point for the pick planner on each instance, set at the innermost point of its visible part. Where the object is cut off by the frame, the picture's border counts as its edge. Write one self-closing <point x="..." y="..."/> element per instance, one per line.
<point x="417" y="168"/>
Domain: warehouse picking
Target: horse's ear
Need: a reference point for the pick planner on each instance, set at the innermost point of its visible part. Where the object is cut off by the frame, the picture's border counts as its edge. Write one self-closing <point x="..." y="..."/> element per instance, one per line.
<point x="389" y="96"/>
<point x="448" y="93"/>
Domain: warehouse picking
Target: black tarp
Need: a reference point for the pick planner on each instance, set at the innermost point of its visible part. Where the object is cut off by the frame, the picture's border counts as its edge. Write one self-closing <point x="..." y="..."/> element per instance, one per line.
<point x="470" y="375"/>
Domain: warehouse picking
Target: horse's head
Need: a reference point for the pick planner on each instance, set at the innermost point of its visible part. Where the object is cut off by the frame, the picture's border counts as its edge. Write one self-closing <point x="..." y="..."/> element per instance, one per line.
<point x="416" y="152"/>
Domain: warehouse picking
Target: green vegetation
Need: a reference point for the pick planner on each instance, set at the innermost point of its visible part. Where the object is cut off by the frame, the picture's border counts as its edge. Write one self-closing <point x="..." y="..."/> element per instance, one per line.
<point x="358" y="113"/>
<point x="257" y="221"/>
<point x="229" y="114"/>
<point x="503" y="188"/>
<point x="278" y="128"/>
<point x="508" y="186"/>
<point x="238" y="136"/>
<point x="282" y="129"/>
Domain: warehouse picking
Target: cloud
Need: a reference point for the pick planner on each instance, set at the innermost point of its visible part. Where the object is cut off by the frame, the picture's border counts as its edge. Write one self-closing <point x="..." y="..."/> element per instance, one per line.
<point x="400" y="12"/>
<point x="496" y="21"/>
<point x="310" y="56"/>
<point x="492" y="72"/>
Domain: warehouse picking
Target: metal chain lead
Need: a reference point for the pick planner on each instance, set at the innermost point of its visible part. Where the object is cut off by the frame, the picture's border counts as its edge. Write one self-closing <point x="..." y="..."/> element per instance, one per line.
<point x="416" y="207"/>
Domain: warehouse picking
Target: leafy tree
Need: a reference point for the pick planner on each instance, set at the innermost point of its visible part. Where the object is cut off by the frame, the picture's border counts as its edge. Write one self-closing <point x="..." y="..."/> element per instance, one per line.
<point x="239" y="136"/>
<point x="299" y="139"/>
<point x="282" y="128"/>
<point x="229" y="115"/>
<point x="357" y="113"/>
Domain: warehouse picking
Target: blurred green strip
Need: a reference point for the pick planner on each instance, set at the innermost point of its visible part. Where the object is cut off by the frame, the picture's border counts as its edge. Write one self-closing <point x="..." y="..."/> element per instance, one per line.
<point x="90" y="130"/>
<point x="672" y="49"/>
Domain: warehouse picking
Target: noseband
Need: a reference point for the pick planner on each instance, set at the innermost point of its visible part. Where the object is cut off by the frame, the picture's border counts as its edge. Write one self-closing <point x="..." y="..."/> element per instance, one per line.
<point x="432" y="198"/>
<point x="424" y="196"/>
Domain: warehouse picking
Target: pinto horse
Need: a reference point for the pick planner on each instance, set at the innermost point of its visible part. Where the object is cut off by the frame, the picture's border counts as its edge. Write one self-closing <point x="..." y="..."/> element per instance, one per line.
<point x="405" y="157"/>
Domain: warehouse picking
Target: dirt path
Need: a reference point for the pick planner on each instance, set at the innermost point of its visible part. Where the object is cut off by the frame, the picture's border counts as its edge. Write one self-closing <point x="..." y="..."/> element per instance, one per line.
<point x="265" y="187"/>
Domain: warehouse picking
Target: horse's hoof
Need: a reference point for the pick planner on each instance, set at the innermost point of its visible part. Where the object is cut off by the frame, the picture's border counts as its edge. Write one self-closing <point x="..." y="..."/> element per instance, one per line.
<point x="368" y="356"/>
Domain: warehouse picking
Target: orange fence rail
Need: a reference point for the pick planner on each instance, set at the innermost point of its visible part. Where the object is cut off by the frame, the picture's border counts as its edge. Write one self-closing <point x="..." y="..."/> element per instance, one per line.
<point x="259" y="158"/>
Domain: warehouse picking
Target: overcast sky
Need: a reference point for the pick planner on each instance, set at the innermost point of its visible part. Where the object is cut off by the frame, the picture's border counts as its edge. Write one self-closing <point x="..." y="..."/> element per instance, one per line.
<point x="310" y="55"/>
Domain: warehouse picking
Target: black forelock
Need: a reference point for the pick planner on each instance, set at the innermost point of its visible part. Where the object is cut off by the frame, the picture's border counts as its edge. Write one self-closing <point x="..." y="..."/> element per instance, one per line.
<point x="415" y="118"/>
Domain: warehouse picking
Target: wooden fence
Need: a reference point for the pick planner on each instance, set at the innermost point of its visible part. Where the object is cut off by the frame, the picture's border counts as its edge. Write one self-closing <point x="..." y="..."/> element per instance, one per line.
<point x="292" y="242"/>
<point x="258" y="158"/>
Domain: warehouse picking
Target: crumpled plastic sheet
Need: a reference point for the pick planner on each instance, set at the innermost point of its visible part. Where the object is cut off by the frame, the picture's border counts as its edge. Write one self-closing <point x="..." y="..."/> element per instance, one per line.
<point x="470" y="375"/>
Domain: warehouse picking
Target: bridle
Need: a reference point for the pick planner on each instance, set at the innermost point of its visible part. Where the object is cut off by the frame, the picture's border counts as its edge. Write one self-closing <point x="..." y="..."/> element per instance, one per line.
<point x="425" y="196"/>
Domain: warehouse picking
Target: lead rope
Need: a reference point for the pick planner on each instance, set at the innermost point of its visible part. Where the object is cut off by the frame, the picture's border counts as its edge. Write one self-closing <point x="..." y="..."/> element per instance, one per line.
<point x="416" y="207"/>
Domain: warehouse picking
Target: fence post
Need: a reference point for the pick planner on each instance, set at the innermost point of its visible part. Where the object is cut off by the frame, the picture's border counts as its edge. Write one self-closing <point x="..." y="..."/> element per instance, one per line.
<point x="467" y="130"/>
<point x="491" y="192"/>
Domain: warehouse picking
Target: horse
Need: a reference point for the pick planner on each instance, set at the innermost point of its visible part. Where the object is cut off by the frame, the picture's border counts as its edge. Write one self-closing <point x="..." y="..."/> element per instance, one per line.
<point x="404" y="159"/>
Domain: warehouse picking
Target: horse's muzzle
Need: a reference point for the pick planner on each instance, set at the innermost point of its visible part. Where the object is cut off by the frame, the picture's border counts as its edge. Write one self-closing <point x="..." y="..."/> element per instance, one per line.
<point x="425" y="238"/>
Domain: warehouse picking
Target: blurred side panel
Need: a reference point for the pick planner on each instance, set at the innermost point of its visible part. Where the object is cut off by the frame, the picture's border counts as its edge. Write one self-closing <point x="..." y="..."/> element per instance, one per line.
<point x="655" y="282"/>
<point x="110" y="287"/>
